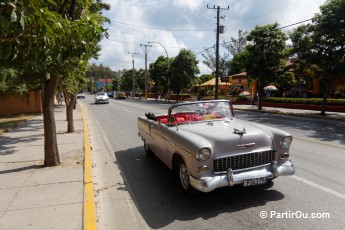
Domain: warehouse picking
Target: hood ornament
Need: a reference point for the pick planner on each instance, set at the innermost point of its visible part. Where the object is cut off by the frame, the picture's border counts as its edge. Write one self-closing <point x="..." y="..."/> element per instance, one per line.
<point x="240" y="132"/>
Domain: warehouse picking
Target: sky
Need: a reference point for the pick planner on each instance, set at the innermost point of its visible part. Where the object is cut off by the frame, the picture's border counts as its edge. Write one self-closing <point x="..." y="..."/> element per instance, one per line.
<point x="171" y="25"/>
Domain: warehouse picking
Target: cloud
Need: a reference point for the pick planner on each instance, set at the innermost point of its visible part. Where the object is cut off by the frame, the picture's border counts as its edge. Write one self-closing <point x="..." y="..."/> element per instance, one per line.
<point x="191" y="4"/>
<point x="188" y="24"/>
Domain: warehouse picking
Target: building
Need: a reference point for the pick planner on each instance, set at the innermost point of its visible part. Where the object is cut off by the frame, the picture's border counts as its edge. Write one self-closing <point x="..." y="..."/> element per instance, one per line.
<point x="104" y="85"/>
<point x="306" y="86"/>
<point x="239" y="80"/>
<point x="209" y="86"/>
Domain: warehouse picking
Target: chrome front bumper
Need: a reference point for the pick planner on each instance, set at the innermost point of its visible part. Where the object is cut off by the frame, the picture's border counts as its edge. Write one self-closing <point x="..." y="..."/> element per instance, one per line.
<point x="208" y="184"/>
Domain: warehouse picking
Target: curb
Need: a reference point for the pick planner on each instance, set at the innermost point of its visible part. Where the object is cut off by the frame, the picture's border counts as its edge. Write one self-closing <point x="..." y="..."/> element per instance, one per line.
<point x="89" y="211"/>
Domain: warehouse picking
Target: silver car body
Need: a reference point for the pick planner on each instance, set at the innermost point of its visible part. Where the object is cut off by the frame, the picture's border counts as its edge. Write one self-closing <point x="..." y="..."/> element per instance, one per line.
<point x="101" y="97"/>
<point x="81" y="95"/>
<point x="236" y="151"/>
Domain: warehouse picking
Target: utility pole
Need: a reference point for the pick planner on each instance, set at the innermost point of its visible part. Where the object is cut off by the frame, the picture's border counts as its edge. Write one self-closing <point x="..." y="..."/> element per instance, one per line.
<point x="145" y="68"/>
<point x="217" y="46"/>
<point x="118" y="80"/>
<point x="133" y="94"/>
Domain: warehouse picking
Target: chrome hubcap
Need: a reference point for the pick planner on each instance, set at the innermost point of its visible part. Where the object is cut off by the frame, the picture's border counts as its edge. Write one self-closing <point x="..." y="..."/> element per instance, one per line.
<point x="184" y="177"/>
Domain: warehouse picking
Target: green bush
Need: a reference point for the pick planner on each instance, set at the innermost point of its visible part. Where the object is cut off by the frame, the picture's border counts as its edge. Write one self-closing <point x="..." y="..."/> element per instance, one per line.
<point x="244" y="98"/>
<point x="310" y="101"/>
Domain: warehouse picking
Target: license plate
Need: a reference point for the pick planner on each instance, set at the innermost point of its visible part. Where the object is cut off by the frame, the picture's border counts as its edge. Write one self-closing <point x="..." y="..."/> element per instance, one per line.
<point x="255" y="181"/>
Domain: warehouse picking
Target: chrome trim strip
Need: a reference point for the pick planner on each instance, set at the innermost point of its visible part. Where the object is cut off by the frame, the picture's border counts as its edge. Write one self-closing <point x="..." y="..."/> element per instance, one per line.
<point x="239" y="154"/>
<point x="230" y="176"/>
<point x="210" y="183"/>
<point x="246" y="169"/>
<point x="274" y="168"/>
<point x="179" y="148"/>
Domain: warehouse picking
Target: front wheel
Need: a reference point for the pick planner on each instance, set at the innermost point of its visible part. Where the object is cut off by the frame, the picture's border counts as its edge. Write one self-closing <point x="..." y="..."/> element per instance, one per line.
<point x="182" y="177"/>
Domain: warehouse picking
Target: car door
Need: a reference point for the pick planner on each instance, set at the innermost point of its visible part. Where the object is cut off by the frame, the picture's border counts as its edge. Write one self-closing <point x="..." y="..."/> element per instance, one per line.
<point x="158" y="133"/>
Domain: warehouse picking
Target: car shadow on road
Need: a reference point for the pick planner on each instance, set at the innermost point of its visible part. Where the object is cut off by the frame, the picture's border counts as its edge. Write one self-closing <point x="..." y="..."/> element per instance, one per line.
<point x="161" y="202"/>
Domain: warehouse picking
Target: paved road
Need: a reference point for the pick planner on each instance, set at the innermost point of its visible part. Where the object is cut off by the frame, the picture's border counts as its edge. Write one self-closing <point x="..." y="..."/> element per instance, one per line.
<point x="317" y="188"/>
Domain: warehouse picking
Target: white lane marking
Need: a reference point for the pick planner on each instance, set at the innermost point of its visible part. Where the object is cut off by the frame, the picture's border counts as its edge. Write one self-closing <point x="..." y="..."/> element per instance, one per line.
<point x="327" y="190"/>
<point x="127" y="110"/>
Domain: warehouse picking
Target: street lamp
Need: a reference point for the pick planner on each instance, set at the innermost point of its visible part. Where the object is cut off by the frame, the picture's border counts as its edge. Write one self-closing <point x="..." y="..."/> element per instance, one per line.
<point x="168" y="65"/>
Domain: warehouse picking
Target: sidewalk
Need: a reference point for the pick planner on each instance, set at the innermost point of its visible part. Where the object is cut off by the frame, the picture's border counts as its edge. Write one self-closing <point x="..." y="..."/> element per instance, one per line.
<point x="34" y="197"/>
<point x="293" y="112"/>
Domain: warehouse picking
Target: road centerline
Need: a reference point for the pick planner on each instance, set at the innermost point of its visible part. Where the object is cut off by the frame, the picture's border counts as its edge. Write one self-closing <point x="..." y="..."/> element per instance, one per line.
<point x="320" y="187"/>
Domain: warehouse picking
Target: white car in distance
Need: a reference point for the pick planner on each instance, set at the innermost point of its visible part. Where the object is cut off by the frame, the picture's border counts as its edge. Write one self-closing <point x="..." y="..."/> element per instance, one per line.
<point x="101" y="98"/>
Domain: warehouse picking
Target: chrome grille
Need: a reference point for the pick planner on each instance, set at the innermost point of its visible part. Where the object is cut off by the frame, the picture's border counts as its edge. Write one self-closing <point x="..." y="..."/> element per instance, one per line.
<point x="243" y="161"/>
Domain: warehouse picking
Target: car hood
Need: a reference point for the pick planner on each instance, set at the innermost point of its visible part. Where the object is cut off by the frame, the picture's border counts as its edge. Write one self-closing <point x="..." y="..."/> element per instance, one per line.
<point x="235" y="136"/>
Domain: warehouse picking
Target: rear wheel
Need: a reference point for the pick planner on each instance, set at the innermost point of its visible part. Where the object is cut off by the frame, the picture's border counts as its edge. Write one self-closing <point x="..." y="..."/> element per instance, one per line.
<point x="148" y="151"/>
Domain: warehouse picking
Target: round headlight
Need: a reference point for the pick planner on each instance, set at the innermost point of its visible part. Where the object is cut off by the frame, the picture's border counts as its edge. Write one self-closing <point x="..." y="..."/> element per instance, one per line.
<point x="203" y="154"/>
<point x="286" y="142"/>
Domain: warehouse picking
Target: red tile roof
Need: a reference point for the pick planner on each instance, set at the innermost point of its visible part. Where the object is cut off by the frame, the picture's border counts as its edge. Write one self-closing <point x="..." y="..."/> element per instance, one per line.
<point x="108" y="80"/>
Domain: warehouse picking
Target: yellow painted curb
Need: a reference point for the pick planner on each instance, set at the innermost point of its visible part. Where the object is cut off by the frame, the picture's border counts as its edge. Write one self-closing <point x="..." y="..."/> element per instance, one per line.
<point x="89" y="213"/>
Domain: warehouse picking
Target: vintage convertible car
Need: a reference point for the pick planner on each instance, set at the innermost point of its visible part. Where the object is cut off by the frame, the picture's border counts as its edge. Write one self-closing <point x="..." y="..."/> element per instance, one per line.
<point x="208" y="147"/>
<point x="101" y="97"/>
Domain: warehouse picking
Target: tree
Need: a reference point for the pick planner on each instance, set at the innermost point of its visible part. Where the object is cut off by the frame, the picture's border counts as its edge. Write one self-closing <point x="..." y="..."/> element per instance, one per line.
<point x="210" y="61"/>
<point x="127" y="79"/>
<point x="319" y="48"/>
<point x="236" y="46"/>
<point x="205" y="77"/>
<point x="183" y="69"/>
<point x="237" y="64"/>
<point x="266" y="55"/>
<point x="139" y="79"/>
<point x="99" y="71"/>
<point x="70" y="84"/>
<point x="96" y="72"/>
<point x="44" y="40"/>
<point x="10" y="82"/>
<point x="159" y="73"/>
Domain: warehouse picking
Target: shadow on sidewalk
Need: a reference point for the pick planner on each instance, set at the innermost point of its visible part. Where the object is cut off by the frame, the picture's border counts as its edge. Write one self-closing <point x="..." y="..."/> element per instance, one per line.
<point x="21" y="169"/>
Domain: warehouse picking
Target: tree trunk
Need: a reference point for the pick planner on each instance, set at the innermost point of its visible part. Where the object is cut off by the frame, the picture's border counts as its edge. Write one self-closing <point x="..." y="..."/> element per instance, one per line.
<point x="70" y="100"/>
<point x="260" y="97"/>
<point x="324" y="99"/>
<point x="51" y="152"/>
<point x="156" y="91"/>
<point x="71" y="106"/>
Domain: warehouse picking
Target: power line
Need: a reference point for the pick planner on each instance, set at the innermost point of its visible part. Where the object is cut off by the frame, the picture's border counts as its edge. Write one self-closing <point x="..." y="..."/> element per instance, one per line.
<point x="295" y="23"/>
<point x="152" y="28"/>
<point x="124" y="42"/>
<point x="168" y="47"/>
<point x="277" y="29"/>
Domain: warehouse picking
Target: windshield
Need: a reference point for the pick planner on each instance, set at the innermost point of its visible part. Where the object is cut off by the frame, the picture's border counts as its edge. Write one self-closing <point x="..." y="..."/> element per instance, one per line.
<point x="203" y="110"/>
